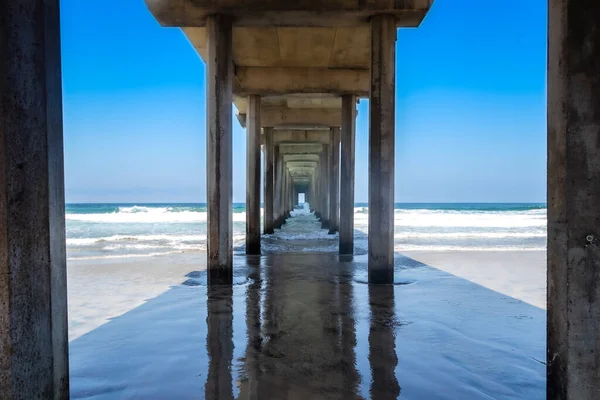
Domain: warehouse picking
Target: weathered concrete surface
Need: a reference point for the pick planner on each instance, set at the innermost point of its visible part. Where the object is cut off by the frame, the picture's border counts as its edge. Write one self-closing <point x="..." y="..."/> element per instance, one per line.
<point x="381" y="149"/>
<point x="301" y="157"/>
<point x="33" y="294"/>
<point x="300" y="117"/>
<point x="309" y="13"/>
<point x="301" y="136"/>
<point x="219" y="76"/>
<point x="574" y="200"/>
<point x="334" y="179"/>
<point x="300" y="148"/>
<point x="268" y="218"/>
<point x="270" y="81"/>
<point x="347" y="158"/>
<point x="253" y="177"/>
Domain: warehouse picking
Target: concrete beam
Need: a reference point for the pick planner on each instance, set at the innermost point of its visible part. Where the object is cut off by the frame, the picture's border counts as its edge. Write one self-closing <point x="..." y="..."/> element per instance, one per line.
<point x="300" y="148"/>
<point x="304" y="136"/>
<point x="308" y="13"/>
<point x="279" y="80"/>
<point x="298" y="117"/>
<point x="301" y="157"/>
<point x="301" y="164"/>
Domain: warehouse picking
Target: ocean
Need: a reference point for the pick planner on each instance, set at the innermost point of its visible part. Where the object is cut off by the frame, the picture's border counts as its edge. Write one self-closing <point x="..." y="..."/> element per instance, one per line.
<point x="98" y="231"/>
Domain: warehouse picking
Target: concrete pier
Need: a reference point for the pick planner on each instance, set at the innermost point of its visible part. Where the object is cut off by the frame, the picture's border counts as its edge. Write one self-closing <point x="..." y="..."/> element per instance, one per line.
<point x="253" y="177"/>
<point x="34" y="360"/>
<point x="334" y="187"/>
<point x="573" y="362"/>
<point x="381" y="149"/>
<point x="346" y="223"/>
<point x="219" y="74"/>
<point x="269" y="223"/>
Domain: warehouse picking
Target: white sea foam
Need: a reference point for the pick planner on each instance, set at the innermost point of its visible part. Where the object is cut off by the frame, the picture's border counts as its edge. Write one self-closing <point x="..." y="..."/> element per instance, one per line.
<point x="469" y="235"/>
<point x="463" y="219"/>
<point x="121" y="238"/>
<point x="127" y="231"/>
<point x="149" y="215"/>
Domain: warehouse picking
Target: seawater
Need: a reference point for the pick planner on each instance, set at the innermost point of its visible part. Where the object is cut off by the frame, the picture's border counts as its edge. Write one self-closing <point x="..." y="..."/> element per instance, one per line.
<point x="146" y="230"/>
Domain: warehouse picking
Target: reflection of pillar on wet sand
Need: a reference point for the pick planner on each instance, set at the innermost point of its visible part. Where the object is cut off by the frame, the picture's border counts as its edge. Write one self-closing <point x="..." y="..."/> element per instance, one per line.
<point x="348" y="335"/>
<point x="382" y="347"/>
<point x="249" y="389"/>
<point x="267" y="363"/>
<point x="219" y="342"/>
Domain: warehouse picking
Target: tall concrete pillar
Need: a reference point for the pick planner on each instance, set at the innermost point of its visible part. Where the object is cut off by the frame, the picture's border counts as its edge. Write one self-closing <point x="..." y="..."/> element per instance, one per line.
<point x="325" y="186"/>
<point x="334" y="188"/>
<point x="268" y="182"/>
<point x="34" y="361"/>
<point x="317" y="185"/>
<point x="573" y="363"/>
<point x="253" y="176"/>
<point x="219" y="148"/>
<point x="381" y="149"/>
<point x="346" y="245"/>
<point x="276" y="187"/>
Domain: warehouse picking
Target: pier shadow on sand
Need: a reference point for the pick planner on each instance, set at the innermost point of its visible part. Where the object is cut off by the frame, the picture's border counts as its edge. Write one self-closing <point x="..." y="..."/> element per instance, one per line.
<point x="305" y="326"/>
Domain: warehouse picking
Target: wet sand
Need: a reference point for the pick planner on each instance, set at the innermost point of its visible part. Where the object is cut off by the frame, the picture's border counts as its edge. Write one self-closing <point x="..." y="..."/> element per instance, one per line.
<point x="298" y="326"/>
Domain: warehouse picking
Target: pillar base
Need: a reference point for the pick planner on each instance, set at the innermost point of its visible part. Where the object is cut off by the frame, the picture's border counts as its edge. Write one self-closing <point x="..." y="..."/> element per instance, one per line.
<point x="346" y="249"/>
<point x="381" y="276"/>
<point x="220" y="276"/>
<point x="332" y="232"/>
<point x="253" y="250"/>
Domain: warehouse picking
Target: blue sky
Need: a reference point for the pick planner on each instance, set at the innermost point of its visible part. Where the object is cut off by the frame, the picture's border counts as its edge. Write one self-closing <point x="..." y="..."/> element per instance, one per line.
<point x="470" y="107"/>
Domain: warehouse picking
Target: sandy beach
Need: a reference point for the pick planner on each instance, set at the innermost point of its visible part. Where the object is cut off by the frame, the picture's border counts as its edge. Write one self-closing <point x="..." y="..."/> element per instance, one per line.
<point x="519" y="274"/>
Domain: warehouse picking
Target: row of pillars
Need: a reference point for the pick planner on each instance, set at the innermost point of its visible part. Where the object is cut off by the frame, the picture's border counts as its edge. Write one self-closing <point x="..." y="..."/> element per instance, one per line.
<point x="323" y="189"/>
<point x="381" y="159"/>
<point x="33" y="296"/>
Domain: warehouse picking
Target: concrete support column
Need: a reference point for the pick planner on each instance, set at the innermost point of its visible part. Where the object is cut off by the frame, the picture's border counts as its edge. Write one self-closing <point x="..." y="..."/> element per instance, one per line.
<point x="346" y="245"/>
<point x="325" y="164"/>
<point x="268" y="219"/>
<point x="334" y="187"/>
<point x="34" y="362"/>
<point x="253" y="176"/>
<point x="276" y="187"/>
<point x="284" y="202"/>
<point x="573" y="361"/>
<point x="317" y="186"/>
<point x="381" y="149"/>
<point x="219" y="148"/>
